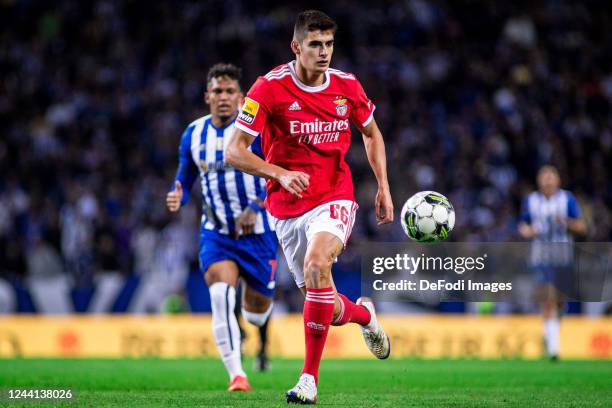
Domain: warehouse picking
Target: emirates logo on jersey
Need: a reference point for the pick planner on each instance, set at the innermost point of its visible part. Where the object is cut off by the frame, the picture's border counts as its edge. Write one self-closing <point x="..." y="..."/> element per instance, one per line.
<point x="317" y="131"/>
<point x="297" y="127"/>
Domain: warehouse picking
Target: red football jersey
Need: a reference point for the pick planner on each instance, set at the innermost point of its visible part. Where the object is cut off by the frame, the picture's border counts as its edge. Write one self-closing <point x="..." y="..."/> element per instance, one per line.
<point x="306" y="128"/>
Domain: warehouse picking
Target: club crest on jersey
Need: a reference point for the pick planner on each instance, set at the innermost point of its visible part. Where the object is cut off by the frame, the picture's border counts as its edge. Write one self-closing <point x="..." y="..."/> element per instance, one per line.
<point x="203" y="166"/>
<point x="341" y="107"/>
<point x="249" y="111"/>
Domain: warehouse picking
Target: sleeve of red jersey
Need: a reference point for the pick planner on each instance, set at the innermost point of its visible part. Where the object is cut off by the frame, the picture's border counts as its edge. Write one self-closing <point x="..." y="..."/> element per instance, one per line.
<point x="362" y="111"/>
<point x="255" y="108"/>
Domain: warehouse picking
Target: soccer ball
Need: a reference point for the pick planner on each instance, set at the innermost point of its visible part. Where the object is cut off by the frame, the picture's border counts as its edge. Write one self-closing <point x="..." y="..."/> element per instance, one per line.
<point x="428" y="216"/>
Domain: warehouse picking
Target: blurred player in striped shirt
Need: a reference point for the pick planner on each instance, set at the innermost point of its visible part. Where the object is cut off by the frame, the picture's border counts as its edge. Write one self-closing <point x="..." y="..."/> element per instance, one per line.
<point x="551" y="216"/>
<point x="237" y="239"/>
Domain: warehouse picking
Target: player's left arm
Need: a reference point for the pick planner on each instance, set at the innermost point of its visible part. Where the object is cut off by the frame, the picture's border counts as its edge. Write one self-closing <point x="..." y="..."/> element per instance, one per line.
<point x="362" y="116"/>
<point x="575" y="223"/>
<point x="375" y="150"/>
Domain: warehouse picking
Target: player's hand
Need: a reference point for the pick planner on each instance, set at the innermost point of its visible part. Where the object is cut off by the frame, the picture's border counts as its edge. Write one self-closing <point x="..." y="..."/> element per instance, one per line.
<point x="526" y="231"/>
<point x="296" y="182"/>
<point x="383" y="206"/>
<point x="173" y="198"/>
<point x="245" y="224"/>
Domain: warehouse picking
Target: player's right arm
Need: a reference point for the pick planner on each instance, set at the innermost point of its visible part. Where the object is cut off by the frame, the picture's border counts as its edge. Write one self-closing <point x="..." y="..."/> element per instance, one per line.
<point x="525" y="229"/>
<point x="185" y="176"/>
<point x="239" y="156"/>
<point x="250" y="123"/>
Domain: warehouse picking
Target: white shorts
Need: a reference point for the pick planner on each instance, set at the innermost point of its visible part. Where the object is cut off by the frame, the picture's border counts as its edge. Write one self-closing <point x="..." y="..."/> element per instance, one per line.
<point x="294" y="234"/>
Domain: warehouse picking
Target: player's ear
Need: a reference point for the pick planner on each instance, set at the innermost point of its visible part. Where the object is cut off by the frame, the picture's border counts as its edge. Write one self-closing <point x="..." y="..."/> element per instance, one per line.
<point x="207" y="98"/>
<point x="295" y="46"/>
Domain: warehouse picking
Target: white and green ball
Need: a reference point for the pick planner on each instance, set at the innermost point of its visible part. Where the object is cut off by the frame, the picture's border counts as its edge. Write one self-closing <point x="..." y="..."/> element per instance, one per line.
<point x="428" y="216"/>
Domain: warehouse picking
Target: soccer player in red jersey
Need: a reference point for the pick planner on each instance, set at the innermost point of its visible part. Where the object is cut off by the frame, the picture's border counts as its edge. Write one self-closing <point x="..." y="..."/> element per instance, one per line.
<point x="302" y="110"/>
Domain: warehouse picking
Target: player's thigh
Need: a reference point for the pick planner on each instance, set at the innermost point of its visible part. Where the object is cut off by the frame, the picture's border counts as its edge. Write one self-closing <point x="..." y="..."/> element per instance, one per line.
<point x="256" y="257"/>
<point x="253" y="300"/>
<point x="294" y="242"/>
<point x="323" y="248"/>
<point x="225" y="271"/>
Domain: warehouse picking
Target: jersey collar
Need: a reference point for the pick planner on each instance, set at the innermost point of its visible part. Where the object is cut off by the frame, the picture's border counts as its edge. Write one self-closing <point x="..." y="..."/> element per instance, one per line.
<point x="226" y="126"/>
<point x="552" y="197"/>
<point x="305" y="87"/>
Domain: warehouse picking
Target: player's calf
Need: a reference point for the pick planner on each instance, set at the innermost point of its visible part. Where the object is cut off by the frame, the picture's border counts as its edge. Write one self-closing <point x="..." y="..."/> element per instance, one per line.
<point x="256" y="307"/>
<point x="318" y="312"/>
<point x="349" y="312"/>
<point x="225" y="328"/>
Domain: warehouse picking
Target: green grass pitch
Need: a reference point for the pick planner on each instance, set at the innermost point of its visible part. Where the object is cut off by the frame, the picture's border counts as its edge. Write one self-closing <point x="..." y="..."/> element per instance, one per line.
<point x="347" y="383"/>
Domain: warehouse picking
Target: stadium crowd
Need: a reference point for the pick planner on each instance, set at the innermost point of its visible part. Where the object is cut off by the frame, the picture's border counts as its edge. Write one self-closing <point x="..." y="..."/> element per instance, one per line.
<point x="472" y="97"/>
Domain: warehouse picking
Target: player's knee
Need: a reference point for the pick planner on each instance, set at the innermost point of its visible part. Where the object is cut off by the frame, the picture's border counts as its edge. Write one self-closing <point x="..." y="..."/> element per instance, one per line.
<point x="549" y="309"/>
<point x="317" y="269"/>
<point x="257" y="319"/>
<point x="221" y="295"/>
<point x="213" y="276"/>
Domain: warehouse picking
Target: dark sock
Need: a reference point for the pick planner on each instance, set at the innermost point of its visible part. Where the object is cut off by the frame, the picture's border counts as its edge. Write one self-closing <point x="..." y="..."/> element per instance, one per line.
<point x="263" y="337"/>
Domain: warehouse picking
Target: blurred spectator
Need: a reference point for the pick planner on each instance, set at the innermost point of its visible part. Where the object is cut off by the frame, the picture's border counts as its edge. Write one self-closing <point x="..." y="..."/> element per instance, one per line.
<point x="47" y="280"/>
<point x="12" y="265"/>
<point x="108" y="279"/>
<point x="167" y="273"/>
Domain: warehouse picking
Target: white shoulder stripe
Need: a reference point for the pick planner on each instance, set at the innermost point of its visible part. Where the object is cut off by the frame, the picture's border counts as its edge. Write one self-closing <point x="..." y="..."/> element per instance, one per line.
<point x="342" y="74"/>
<point x="277" y="74"/>
<point x="276" y="70"/>
<point x="339" y="71"/>
<point x="273" y="74"/>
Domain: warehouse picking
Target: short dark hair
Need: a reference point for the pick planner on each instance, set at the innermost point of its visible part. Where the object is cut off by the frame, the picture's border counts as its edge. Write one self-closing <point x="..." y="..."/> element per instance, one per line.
<point x="312" y="20"/>
<point x="224" y="70"/>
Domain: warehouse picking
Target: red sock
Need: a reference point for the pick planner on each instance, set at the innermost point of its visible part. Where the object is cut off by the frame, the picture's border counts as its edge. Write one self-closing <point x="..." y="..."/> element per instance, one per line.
<point x="318" y="313"/>
<point x="350" y="312"/>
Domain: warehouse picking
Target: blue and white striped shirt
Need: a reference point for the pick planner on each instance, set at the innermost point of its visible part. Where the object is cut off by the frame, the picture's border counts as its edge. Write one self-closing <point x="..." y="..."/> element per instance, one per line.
<point x="226" y="192"/>
<point x="548" y="216"/>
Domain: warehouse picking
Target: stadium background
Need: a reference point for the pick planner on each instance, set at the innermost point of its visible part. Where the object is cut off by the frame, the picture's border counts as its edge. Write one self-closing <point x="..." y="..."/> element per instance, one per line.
<point x="472" y="97"/>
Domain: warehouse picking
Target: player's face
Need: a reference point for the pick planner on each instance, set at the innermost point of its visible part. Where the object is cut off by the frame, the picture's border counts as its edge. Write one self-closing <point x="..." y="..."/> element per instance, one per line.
<point x="315" y="51"/>
<point x="223" y="95"/>
<point x="548" y="181"/>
